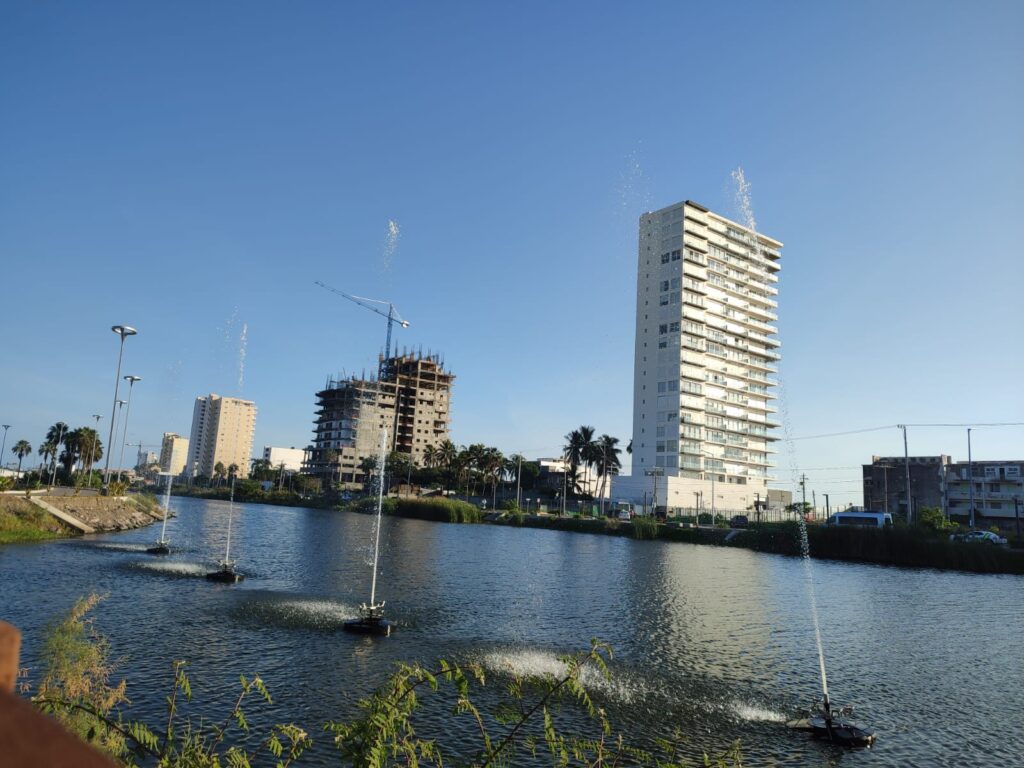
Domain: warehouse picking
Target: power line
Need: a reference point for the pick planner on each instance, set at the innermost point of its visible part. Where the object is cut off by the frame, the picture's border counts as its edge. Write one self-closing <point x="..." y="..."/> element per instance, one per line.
<point x="983" y="424"/>
<point x="850" y="432"/>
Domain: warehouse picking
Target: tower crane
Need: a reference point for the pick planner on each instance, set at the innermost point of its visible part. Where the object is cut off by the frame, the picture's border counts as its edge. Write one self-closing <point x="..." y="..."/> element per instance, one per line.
<point x="391" y="315"/>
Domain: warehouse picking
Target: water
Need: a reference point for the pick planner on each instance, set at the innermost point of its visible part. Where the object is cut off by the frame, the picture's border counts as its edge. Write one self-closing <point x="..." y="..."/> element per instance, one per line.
<point x="716" y="642"/>
<point x="390" y="244"/>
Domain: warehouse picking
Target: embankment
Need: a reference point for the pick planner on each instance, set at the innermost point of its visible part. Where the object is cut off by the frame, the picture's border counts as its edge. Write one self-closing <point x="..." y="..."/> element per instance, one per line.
<point x="21" y="520"/>
<point x="905" y="547"/>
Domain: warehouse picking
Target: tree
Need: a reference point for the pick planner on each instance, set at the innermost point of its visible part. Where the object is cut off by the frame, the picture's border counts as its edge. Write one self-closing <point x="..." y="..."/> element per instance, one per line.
<point x="233" y="471"/>
<point x="261" y="469"/>
<point x="21" y="449"/>
<point x="608" y="462"/>
<point x="219" y="472"/>
<point x="430" y="456"/>
<point x="47" y="450"/>
<point x="88" y="446"/>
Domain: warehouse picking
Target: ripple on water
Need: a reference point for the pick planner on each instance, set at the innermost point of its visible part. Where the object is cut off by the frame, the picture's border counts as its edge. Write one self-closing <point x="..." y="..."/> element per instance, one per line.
<point x="621" y="686"/>
<point x="171" y="568"/>
<point x="297" y="613"/>
<point x="116" y="547"/>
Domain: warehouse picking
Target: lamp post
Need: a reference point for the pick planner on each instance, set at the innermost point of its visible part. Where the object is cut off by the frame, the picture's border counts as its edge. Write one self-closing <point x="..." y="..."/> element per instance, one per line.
<point x="124" y="331"/>
<point x="127" y="412"/>
<point x="4" y="445"/>
<point x="117" y="418"/>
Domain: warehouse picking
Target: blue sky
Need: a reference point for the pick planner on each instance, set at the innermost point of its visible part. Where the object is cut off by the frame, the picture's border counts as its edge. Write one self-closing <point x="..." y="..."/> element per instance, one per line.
<point x="191" y="168"/>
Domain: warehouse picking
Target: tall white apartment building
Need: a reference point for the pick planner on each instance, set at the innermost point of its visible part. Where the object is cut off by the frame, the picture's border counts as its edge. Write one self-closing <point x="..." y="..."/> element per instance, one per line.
<point x="222" y="432"/>
<point x="173" y="453"/>
<point x="705" y="353"/>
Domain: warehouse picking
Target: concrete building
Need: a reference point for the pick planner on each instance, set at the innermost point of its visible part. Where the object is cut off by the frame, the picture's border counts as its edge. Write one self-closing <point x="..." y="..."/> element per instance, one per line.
<point x="998" y="491"/>
<point x="705" y="351"/>
<point x="144" y="459"/>
<point x="173" y="453"/>
<point x="885" y="483"/>
<point x="291" y="458"/>
<point x="222" y="430"/>
<point x="411" y="399"/>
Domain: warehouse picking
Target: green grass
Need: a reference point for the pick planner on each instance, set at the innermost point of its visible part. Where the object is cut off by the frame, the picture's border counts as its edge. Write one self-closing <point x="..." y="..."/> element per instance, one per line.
<point x="22" y="521"/>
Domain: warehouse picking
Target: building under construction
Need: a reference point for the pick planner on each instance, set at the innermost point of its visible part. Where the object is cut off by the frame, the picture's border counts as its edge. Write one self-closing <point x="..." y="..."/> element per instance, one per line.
<point x="410" y="398"/>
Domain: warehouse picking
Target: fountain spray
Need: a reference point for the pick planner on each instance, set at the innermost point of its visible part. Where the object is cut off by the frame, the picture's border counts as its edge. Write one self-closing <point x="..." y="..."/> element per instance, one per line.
<point x="743" y="202"/>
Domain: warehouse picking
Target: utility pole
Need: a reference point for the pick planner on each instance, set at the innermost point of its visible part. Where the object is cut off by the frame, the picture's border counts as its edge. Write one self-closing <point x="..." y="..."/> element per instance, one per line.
<point x="814" y="503"/>
<point x="1016" y="516"/>
<point x="803" y="493"/>
<point x="519" y="475"/>
<point x="828" y="510"/>
<point x="970" y="477"/>
<point x="906" y="463"/>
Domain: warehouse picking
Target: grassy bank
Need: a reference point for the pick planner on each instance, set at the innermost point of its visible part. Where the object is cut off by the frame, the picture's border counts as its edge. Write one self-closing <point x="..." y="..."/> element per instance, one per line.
<point x="905" y="547"/>
<point x="22" y="521"/>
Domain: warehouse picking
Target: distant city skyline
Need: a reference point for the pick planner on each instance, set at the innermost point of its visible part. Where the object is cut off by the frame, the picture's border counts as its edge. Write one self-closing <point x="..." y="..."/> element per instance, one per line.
<point x="484" y="167"/>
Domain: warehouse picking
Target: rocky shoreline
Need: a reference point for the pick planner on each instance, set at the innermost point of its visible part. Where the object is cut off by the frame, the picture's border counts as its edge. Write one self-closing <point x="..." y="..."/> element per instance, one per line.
<point x="105" y="514"/>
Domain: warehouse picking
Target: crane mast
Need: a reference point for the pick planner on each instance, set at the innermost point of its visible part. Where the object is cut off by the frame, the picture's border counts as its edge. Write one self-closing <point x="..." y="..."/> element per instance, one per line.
<point x="391" y="315"/>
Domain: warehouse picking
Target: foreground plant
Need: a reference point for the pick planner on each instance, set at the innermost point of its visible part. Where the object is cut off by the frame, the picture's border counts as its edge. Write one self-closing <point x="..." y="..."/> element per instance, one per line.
<point x="523" y="720"/>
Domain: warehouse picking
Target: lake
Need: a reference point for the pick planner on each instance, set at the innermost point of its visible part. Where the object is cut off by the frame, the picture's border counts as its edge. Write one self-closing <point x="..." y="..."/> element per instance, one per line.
<point x="715" y="642"/>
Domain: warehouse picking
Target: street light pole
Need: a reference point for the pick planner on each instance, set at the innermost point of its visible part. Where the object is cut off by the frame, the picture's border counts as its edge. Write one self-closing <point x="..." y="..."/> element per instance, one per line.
<point x="123" y="331"/>
<point x="4" y="446"/>
<point x="127" y="412"/>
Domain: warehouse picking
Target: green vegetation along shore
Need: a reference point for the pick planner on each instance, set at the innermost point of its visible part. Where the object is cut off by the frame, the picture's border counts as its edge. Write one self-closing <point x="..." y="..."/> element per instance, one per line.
<point x="21" y="520"/>
<point x="900" y="546"/>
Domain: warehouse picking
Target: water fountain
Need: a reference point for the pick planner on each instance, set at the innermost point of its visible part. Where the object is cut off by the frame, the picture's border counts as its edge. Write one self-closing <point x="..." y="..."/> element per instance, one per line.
<point x="822" y="720"/>
<point x="162" y="546"/>
<point x="371" y="619"/>
<point x="226" y="568"/>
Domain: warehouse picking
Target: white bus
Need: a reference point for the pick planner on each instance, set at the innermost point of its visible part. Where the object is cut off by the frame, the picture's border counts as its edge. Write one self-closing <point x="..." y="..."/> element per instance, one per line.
<point x="861" y="519"/>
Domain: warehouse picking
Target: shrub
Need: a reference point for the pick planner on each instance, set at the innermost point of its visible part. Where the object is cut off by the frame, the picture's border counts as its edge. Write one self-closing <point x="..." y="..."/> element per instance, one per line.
<point x="645" y="527"/>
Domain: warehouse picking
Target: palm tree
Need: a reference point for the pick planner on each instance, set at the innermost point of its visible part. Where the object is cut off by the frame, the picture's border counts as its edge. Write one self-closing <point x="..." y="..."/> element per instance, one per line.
<point x="219" y="471"/>
<point x="47" y="450"/>
<point x="21" y="449"/>
<point x="492" y="465"/>
<point x="608" y="459"/>
<point x="590" y="454"/>
<point x="429" y="456"/>
<point x="232" y="471"/>
<point x="89" y="446"/>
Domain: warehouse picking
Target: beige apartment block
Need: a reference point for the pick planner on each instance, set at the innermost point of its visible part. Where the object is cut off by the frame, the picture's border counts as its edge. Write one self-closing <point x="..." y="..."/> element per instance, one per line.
<point x="173" y="453"/>
<point x="222" y="433"/>
<point x="705" y="360"/>
<point x="411" y="401"/>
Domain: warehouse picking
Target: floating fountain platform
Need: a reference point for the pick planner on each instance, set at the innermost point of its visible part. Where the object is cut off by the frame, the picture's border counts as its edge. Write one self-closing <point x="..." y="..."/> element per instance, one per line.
<point x="226" y="573"/>
<point x="160" y="548"/>
<point x="824" y="722"/>
<point x="371" y="621"/>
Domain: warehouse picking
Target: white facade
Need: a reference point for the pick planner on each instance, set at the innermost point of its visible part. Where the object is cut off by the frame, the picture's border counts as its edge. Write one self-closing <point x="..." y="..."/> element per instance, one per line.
<point x="705" y="352"/>
<point x="290" y="457"/>
<point x="173" y="453"/>
<point x="222" y="430"/>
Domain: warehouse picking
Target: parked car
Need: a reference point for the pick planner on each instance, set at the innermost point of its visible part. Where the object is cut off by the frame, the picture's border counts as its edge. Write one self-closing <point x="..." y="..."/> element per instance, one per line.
<point x="864" y="519"/>
<point x="979" y="537"/>
<point x="622" y="515"/>
<point x="739" y="521"/>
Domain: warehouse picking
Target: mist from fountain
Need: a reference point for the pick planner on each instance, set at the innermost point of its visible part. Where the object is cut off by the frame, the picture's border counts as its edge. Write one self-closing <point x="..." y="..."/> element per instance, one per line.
<point x="745" y="206"/>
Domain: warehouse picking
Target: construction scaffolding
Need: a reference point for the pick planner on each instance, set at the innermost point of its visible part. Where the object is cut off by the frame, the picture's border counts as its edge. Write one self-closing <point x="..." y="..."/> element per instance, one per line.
<point x="411" y="398"/>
